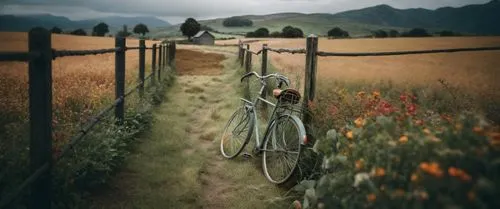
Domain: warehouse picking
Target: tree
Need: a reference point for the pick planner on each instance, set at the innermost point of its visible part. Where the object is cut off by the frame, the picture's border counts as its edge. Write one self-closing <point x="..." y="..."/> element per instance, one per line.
<point x="446" y="33"/>
<point x="394" y="33"/>
<point x="338" y="33"/>
<point x="250" y="35"/>
<point x="79" y="32"/>
<point x="56" y="30"/>
<point x="417" y="32"/>
<point x="124" y="32"/>
<point x="275" y="34"/>
<point x="190" y="27"/>
<point x="100" y="29"/>
<point x="292" y="32"/>
<point x="237" y="22"/>
<point x="262" y="32"/>
<point x="141" y="29"/>
<point x="380" y="34"/>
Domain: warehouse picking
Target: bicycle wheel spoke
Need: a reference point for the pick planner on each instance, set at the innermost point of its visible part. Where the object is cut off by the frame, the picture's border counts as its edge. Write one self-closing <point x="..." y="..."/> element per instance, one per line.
<point x="236" y="133"/>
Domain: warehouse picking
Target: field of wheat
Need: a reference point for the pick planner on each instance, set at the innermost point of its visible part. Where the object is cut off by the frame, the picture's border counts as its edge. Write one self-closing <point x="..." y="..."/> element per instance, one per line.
<point x="80" y="84"/>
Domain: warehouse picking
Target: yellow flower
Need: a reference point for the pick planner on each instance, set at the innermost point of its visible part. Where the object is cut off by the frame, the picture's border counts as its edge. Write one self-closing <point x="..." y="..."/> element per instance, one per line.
<point x="403" y="139"/>
<point x="361" y="94"/>
<point x="349" y="135"/>
<point x="379" y="172"/>
<point x="360" y="122"/>
<point x="376" y="94"/>
<point x="427" y="131"/>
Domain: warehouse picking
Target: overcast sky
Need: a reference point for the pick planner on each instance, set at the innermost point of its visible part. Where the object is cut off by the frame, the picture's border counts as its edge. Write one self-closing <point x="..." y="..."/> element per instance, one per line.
<point x="176" y="11"/>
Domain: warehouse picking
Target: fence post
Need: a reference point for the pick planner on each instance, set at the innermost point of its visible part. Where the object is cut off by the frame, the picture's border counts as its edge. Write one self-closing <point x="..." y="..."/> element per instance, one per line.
<point x="242" y="60"/>
<point x="264" y="66"/>
<point x="248" y="67"/>
<point x="40" y="100"/>
<point x="172" y="54"/>
<point x="160" y="62"/>
<point x="240" y="45"/>
<point x="153" y="64"/>
<point x="165" y="55"/>
<point x="310" y="78"/>
<point x="142" y="63"/>
<point x="120" y="42"/>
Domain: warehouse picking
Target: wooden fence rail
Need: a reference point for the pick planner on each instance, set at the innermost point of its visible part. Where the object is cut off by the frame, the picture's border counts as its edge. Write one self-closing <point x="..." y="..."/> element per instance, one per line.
<point x="311" y="58"/>
<point x="40" y="57"/>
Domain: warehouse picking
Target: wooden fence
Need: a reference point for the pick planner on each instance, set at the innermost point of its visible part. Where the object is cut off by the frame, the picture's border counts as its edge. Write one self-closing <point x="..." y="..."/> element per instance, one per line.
<point x="311" y="58"/>
<point x="39" y="57"/>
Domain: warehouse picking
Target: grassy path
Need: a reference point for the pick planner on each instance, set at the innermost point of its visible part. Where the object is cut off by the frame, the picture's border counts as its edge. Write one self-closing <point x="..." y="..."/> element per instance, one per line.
<point x="178" y="164"/>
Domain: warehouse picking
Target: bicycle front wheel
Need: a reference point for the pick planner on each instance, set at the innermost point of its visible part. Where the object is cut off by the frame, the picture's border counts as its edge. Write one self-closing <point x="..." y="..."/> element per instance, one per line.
<point x="237" y="133"/>
<point x="282" y="148"/>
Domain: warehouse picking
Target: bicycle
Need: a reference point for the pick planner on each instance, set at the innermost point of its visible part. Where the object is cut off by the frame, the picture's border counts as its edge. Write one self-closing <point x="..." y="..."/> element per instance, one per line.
<point x="283" y="138"/>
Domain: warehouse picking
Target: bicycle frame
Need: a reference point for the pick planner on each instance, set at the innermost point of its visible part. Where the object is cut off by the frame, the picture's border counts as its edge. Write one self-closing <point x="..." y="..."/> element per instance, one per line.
<point x="252" y="107"/>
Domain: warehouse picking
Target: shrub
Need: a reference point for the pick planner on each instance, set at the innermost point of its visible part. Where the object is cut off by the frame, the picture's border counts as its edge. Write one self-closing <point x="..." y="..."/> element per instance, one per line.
<point x="275" y="34"/>
<point x="79" y="32"/>
<point x="380" y="34"/>
<point x="56" y="30"/>
<point x="259" y="33"/>
<point x="394" y="33"/>
<point x="395" y="155"/>
<point x="416" y="32"/>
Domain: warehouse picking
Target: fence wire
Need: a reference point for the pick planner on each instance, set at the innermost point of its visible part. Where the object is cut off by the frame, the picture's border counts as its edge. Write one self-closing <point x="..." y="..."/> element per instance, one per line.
<point x="433" y="51"/>
<point x="68" y="53"/>
<point x="291" y="51"/>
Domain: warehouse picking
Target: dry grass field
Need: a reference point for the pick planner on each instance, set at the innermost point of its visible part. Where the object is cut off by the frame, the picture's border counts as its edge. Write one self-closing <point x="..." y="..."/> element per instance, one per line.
<point x="80" y="83"/>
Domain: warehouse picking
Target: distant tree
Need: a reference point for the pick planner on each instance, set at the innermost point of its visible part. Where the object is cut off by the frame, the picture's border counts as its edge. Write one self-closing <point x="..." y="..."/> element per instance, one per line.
<point x="416" y="32"/>
<point x="262" y="32"/>
<point x="79" y="32"/>
<point x="446" y="33"/>
<point x="56" y="30"/>
<point x="190" y="27"/>
<point x="292" y="32"/>
<point x="237" y="22"/>
<point x="338" y="33"/>
<point x="394" y="33"/>
<point x="124" y="32"/>
<point x="100" y="29"/>
<point x="380" y="34"/>
<point x="141" y="29"/>
<point x="275" y="34"/>
<point x="250" y="35"/>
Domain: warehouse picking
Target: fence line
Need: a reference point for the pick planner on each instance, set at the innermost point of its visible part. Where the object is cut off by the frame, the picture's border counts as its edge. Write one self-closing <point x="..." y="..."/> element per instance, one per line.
<point x="311" y="53"/>
<point x="40" y="58"/>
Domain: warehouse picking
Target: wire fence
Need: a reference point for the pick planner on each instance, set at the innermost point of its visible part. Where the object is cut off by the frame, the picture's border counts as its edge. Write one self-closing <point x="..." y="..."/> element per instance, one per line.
<point x="39" y="57"/>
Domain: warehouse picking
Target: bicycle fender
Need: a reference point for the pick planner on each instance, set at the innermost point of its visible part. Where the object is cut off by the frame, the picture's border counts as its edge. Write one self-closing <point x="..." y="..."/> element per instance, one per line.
<point x="300" y="125"/>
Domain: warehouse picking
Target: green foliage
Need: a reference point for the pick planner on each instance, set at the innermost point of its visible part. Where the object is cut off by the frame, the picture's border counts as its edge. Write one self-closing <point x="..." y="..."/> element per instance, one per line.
<point x="259" y="33"/>
<point x="237" y="22"/>
<point x="275" y="34"/>
<point x="190" y="27"/>
<point x="447" y="33"/>
<point x="79" y="32"/>
<point x="141" y="29"/>
<point x="292" y="32"/>
<point x="100" y="29"/>
<point x="416" y="32"/>
<point x="380" y="34"/>
<point x="56" y="30"/>
<point x="338" y="33"/>
<point x="394" y="33"/>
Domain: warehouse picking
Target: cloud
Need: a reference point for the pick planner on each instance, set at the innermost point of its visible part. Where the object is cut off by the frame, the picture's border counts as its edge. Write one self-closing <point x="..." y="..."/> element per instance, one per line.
<point x="78" y="9"/>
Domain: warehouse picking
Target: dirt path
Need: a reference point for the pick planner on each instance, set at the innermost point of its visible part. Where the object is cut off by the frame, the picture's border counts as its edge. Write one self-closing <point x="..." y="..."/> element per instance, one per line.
<point x="178" y="164"/>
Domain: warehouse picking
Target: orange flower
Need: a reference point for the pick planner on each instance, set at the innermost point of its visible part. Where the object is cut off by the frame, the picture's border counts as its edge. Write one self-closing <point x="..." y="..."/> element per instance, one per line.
<point x="379" y="172"/>
<point x="465" y="177"/>
<point x="361" y="94"/>
<point x="376" y="94"/>
<point x="452" y="171"/>
<point x="403" y="139"/>
<point x="424" y="166"/>
<point x="477" y="130"/>
<point x="359" y="164"/>
<point x="432" y="169"/>
<point x="371" y="197"/>
<point x="360" y="122"/>
<point x="414" y="177"/>
<point x="349" y="135"/>
<point x="427" y="131"/>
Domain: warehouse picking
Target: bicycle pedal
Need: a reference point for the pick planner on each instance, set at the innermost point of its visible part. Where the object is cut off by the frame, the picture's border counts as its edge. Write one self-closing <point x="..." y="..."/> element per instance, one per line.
<point x="247" y="155"/>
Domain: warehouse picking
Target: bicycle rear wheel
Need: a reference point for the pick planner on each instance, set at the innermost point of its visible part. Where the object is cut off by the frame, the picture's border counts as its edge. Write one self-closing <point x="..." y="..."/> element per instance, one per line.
<point x="237" y="133"/>
<point x="282" y="148"/>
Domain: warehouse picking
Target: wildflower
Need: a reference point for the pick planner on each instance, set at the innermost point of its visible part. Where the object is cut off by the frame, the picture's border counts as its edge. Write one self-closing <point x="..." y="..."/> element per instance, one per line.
<point x="459" y="126"/>
<point x="424" y="166"/>
<point x="361" y="94"/>
<point x="349" y="135"/>
<point x="376" y="94"/>
<point x="419" y="122"/>
<point x="465" y="177"/>
<point x="432" y="169"/>
<point x="427" y="131"/>
<point x="403" y="139"/>
<point x="477" y="130"/>
<point x="379" y="172"/>
<point x="360" y="178"/>
<point x="371" y="197"/>
<point x="414" y="177"/>
<point x="452" y="171"/>
<point x="403" y="97"/>
<point x="360" y="122"/>
<point x="333" y="110"/>
<point x="359" y="164"/>
<point x="411" y="109"/>
<point x="297" y="204"/>
<point x="423" y="195"/>
<point x="471" y="195"/>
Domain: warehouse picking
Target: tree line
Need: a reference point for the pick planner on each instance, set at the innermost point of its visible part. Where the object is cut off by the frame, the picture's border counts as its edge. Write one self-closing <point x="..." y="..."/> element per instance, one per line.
<point x="102" y="29"/>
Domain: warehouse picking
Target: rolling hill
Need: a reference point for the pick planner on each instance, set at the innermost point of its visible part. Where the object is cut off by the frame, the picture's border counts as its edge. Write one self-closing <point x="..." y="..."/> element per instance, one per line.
<point x="472" y="19"/>
<point x="26" y="22"/>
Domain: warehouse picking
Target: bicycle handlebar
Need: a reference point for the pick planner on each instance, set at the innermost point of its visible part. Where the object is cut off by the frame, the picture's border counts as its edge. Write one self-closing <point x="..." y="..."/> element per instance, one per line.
<point x="281" y="78"/>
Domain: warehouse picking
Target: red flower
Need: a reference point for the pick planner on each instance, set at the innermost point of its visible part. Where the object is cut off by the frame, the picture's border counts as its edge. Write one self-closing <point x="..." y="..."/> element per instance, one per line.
<point x="412" y="108"/>
<point x="403" y="97"/>
<point x="333" y="110"/>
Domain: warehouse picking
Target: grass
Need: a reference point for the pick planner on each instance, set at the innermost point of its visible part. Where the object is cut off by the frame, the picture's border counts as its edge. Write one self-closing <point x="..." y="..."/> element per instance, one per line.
<point x="180" y="165"/>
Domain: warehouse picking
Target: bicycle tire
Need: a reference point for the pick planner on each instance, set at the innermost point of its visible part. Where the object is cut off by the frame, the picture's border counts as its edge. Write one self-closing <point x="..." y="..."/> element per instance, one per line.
<point x="271" y="151"/>
<point x="248" y="122"/>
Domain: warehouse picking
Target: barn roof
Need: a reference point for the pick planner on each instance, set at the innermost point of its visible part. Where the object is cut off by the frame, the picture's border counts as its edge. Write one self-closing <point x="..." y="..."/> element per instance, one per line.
<point x="199" y="34"/>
